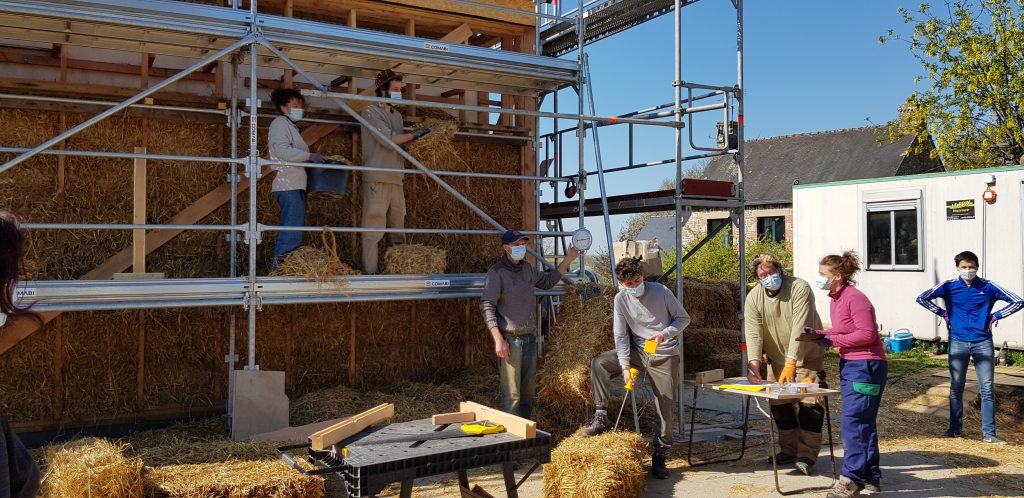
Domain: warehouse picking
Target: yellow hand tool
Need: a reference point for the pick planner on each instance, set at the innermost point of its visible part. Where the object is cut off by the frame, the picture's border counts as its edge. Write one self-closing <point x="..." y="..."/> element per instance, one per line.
<point x="629" y="392"/>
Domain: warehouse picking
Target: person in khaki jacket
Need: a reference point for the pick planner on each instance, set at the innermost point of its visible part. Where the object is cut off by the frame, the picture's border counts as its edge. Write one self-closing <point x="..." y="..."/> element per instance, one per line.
<point x="777" y="309"/>
<point x="383" y="196"/>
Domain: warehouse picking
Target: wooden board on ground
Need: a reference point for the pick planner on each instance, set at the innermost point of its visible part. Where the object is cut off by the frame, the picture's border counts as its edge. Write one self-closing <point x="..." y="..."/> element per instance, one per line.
<point x="452" y="418"/>
<point x="519" y="426"/>
<point x="351" y="426"/>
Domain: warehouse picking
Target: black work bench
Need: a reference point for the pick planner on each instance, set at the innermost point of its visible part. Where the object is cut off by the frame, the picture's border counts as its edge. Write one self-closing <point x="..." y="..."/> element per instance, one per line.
<point x="369" y="468"/>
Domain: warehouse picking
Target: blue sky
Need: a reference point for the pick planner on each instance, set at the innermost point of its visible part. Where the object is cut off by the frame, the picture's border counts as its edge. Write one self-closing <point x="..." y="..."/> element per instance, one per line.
<point x="810" y="65"/>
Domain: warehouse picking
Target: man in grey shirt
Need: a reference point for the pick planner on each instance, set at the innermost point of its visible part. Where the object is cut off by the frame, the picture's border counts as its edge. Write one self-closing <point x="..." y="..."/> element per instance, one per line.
<point x="510" y="312"/>
<point x="646" y="316"/>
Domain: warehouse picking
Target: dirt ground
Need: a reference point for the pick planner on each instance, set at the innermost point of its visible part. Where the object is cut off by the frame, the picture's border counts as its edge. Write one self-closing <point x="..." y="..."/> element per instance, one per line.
<point x="915" y="462"/>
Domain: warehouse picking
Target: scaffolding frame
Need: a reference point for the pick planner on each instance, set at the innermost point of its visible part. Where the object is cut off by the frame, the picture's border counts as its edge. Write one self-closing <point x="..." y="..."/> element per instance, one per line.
<point x="206" y="32"/>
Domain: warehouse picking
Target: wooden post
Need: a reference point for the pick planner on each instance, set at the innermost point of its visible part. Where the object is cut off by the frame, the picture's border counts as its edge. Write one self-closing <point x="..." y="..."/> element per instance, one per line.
<point x="467" y="359"/>
<point x="352" y="18"/>
<point x="410" y="89"/>
<point x="139" y="213"/>
<point x="352" y="348"/>
<point x="483" y="117"/>
<point x="144" y="70"/>
<point x="140" y="359"/>
<point x="58" y="368"/>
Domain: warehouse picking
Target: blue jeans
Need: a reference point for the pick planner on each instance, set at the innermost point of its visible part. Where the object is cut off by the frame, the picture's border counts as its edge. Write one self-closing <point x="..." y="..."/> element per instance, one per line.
<point x="293" y="214"/>
<point x="519" y="375"/>
<point x="862" y="383"/>
<point x="983" y="353"/>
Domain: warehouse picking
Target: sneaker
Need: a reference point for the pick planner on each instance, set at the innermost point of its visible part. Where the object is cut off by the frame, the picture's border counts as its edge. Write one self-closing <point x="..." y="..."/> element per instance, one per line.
<point x="782" y="459"/>
<point x="599" y="425"/>
<point x="992" y="440"/>
<point x="951" y="433"/>
<point x="658" y="469"/>
<point x="873" y="487"/>
<point x="805" y="466"/>
<point x="844" y="488"/>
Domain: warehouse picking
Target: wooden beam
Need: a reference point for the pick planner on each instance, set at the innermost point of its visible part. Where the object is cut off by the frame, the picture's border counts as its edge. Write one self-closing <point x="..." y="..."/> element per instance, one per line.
<point x="322" y="440"/>
<point x="97" y="66"/>
<point x="452" y="93"/>
<point x="63" y="62"/>
<point x="452" y="418"/>
<point x="460" y="35"/>
<point x="410" y="89"/>
<point x="337" y="82"/>
<point x="524" y="428"/>
<point x="352" y="18"/>
<point x="139" y="213"/>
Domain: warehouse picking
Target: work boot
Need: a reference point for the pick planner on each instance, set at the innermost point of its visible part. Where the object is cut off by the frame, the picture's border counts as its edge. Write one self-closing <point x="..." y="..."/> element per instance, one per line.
<point x="844" y="488"/>
<point x="600" y="425"/>
<point x="782" y="459"/>
<point x="874" y="487"/>
<point x="951" y="433"/>
<point x="658" y="469"/>
<point x="805" y="466"/>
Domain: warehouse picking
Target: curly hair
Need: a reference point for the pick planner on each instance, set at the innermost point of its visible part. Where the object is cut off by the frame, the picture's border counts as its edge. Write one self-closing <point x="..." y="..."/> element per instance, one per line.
<point x="629" y="268"/>
<point x="283" y="96"/>
<point x="846" y="264"/>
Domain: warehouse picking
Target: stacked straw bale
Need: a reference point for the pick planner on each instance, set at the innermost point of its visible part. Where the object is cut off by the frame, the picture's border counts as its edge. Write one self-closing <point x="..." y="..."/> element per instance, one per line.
<point x="605" y="466"/>
<point x="415" y="259"/>
<point x="90" y="467"/>
<point x="251" y="479"/>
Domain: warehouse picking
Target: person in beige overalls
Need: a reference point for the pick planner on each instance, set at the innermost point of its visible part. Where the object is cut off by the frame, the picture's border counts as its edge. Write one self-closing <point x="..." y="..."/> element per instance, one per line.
<point x="383" y="197"/>
<point x="777" y="309"/>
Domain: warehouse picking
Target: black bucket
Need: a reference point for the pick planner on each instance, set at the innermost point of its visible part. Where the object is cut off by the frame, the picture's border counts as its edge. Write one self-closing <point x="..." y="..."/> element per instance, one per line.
<point x="327" y="182"/>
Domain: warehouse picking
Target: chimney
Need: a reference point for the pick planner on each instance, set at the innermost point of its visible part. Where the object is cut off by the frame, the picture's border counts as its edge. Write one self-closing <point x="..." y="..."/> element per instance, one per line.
<point x="720" y="141"/>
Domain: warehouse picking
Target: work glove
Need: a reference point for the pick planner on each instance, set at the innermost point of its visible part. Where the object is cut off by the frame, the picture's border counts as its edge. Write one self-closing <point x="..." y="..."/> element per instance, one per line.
<point x="809" y="380"/>
<point x="824" y="342"/>
<point x="629" y="377"/>
<point x="317" y="158"/>
<point x="754" y="372"/>
<point x="420" y="133"/>
<point x="788" y="372"/>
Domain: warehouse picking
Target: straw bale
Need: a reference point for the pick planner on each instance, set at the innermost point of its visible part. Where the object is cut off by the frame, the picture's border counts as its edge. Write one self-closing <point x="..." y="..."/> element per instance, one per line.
<point x="186" y="432"/>
<point x="320" y="346"/>
<point x="313" y="263"/>
<point x="414" y="259"/>
<point x="259" y="479"/>
<point x="90" y="467"/>
<point x="184" y="356"/>
<point x="605" y="466"/>
<point x="706" y="342"/>
<point x="412" y="400"/>
<point x="100" y="364"/>
<point x="27" y="378"/>
<point x="435" y="148"/>
<point x="583" y="331"/>
<point x="716" y="302"/>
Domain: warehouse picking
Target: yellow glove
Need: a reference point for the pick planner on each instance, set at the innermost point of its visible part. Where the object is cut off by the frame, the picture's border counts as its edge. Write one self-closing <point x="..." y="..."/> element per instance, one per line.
<point x="788" y="372"/>
<point x="809" y="380"/>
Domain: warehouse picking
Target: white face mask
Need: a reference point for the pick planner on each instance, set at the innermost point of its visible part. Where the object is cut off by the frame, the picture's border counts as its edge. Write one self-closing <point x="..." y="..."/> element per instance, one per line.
<point x="518" y="252"/>
<point x="772" y="282"/>
<point x="968" y="274"/>
<point x="823" y="282"/>
<point x="395" y="95"/>
<point x="633" y="291"/>
<point x="295" y="113"/>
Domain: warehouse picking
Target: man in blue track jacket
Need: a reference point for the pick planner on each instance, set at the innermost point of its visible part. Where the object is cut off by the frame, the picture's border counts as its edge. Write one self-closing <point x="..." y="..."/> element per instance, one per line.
<point x="969" y="301"/>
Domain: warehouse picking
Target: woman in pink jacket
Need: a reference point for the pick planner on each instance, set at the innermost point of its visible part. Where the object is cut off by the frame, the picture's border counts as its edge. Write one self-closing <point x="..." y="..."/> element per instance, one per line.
<point x="862" y="372"/>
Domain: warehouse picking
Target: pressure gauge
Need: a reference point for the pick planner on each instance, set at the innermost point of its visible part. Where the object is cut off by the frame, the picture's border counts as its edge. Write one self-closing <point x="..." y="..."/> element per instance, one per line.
<point x="581" y="239"/>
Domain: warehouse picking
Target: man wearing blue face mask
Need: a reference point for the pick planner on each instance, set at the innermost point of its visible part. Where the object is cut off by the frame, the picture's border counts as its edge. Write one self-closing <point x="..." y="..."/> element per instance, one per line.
<point x="648" y="322"/>
<point x="509" y="308"/>
<point x="969" y="319"/>
<point x="777" y="309"/>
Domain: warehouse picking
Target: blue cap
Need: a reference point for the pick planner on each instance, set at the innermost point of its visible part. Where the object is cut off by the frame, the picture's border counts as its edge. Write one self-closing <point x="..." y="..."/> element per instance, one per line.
<point x="512" y="236"/>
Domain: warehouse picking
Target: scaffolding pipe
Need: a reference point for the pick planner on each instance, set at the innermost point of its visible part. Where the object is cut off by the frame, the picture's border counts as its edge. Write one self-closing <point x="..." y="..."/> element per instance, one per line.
<point x="254" y="175"/>
<point x="645" y="114"/>
<point x="740" y="175"/>
<point x="356" y="167"/>
<point x="129" y="226"/>
<point x="117" y="108"/>
<point x="659" y="162"/>
<point x="581" y="137"/>
<point x="387" y="140"/>
<point x="600" y="175"/>
<point x="326" y="93"/>
<point x="125" y="155"/>
<point x="449" y="231"/>
<point x="64" y="100"/>
<point x="679" y="186"/>
<point x="233" y="237"/>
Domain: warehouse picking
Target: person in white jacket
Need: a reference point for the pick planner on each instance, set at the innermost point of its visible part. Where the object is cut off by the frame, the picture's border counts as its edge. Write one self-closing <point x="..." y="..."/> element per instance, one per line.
<point x="289" y="187"/>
